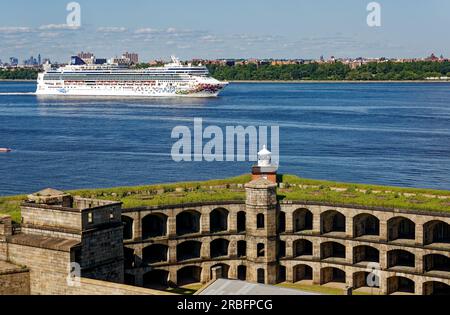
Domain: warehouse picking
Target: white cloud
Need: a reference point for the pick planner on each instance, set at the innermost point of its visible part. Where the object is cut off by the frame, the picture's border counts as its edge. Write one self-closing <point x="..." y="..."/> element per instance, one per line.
<point x="14" y="29"/>
<point x="111" y="29"/>
<point x="146" y="30"/>
<point x="58" y="27"/>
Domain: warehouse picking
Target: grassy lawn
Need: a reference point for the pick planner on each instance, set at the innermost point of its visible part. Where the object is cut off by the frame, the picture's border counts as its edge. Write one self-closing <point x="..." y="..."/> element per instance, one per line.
<point x="189" y="289"/>
<point x="294" y="188"/>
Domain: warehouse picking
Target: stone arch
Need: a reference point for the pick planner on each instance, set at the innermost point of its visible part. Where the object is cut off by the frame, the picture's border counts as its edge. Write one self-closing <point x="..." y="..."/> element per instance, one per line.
<point x="242" y="272"/>
<point x="400" y="284"/>
<point x="436" y="231"/>
<point x="154" y="225"/>
<point x="260" y="275"/>
<point x="332" y="274"/>
<point x="436" y="288"/>
<point x="360" y="280"/>
<point x="155" y="253"/>
<point x="281" y="274"/>
<point x="219" y="248"/>
<point x="188" y="275"/>
<point x="302" y="272"/>
<point x="241" y="224"/>
<point x="189" y="250"/>
<point x="400" y="257"/>
<point x="188" y="222"/>
<point x="127" y="227"/>
<point x="401" y="228"/>
<point x="302" y="219"/>
<point x="281" y="222"/>
<point x="436" y="262"/>
<point x="365" y="253"/>
<point x="260" y="221"/>
<point x="332" y="221"/>
<point x="332" y="250"/>
<point x="225" y="270"/>
<point x="365" y="224"/>
<point x="156" y="279"/>
<point x="242" y="248"/>
<point x="302" y="248"/>
<point x="218" y="220"/>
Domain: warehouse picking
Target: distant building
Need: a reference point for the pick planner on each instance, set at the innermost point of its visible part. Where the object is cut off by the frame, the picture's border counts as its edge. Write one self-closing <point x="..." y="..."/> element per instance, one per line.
<point x="13" y="61"/>
<point x="87" y="57"/>
<point x="39" y="59"/>
<point x="133" y="57"/>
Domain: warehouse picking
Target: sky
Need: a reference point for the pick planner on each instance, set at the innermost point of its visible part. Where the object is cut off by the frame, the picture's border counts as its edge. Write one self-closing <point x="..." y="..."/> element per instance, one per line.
<point x="213" y="29"/>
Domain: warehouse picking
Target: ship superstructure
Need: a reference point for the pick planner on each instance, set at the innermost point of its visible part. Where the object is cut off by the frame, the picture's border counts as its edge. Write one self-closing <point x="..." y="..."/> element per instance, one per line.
<point x="172" y="79"/>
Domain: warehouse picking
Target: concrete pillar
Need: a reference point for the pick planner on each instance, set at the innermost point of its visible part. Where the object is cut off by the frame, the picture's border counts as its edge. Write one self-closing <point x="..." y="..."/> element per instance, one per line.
<point x="348" y="252"/>
<point x="383" y="230"/>
<point x="289" y="248"/>
<point x="172" y="252"/>
<point x="348" y="226"/>
<point x="232" y="249"/>
<point x="316" y="248"/>
<point x="419" y="234"/>
<point x="316" y="222"/>
<point x="173" y="275"/>
<point x="204" y="222"/>
<point x="418" y="256"/>
<point x="289" y="222"/>
<point x="172" y="226"/>
<point x="137" y="226"/>
<point x="383" y="257"/>
<point x="232" y="222"/>
<point x="289" y="273"/>
<point x="205" y="250"/>
<point x="232" y="272"/>
<point x="316" y="274"/>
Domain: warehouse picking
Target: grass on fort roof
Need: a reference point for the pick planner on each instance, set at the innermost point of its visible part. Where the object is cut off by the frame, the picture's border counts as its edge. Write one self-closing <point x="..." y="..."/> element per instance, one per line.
<point x="295" y="188"/>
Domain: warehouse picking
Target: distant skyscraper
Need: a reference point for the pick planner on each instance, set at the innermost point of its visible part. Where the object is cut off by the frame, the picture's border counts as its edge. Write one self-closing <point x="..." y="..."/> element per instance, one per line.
<point x="39" y="59"/>
<point x="133" y="57"/>
<point x="13" y="61"/>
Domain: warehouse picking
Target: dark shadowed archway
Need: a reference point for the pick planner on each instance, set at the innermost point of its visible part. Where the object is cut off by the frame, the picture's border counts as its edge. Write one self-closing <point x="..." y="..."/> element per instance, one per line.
<point x="154" y="225"/>
<point x="188" y="222"/>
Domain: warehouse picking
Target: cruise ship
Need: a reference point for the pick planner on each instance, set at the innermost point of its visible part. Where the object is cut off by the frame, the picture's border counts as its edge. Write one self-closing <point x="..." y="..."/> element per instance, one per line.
<point x="172" y="79"/>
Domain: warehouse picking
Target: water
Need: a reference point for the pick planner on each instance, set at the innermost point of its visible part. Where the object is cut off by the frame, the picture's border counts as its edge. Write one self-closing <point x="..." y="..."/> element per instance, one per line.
<point x="391" y="134"/>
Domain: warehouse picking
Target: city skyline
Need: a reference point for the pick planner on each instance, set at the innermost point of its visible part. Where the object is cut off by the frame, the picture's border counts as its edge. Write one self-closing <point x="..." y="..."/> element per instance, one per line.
<point x="254" y="29"/>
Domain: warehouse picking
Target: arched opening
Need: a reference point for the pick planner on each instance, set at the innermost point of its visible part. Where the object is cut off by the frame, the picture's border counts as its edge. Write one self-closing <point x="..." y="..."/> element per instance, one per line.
<point x="242" y="248"/>
<point x="331" y="274"/>
<point x="401" y="228"/>
<point x="400" y="284"/>
<point x="303" y="248"/>
<point x="156" y="279"/>
<point x="436" y="262"/>
<point x="332" y="250"/>
<point x="188" y="250"/>
<point x="154" y="253"/>
<point x="128" y="257"/>
<point x="260" y="250"/>
<point x="302" y="220"/>
<point x="281" y="222"/>
<point x="188" y="275"/>
<point x="188" y="222"/>
<point x="224" y="270"/>
<point x="218" y="220"/>
<point x="436" y="232"/>
<point x="242" y="272"/>
<point x="241" y="221"/>
<point x="400" y="258"/>
<point x="219" y="248"/>
<point x="332" y="221"/>
<point x="154" y="225"/>
<point x="281" y="277"/>
<point x="302" y="272"/>
<point x="127" y="227"/>
<point x="260" y="275"/>
<point x="365" y="279"/>
<point x="365" y="224"/>
<point x="260" y="221"/>
<point x="436" y="288"/>
<point x="365" y="253"/>
<point x="281" y="249"/>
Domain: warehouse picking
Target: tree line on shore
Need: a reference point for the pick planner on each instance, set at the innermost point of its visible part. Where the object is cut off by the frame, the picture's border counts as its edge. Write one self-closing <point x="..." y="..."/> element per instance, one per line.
<point x="333" y="71"/>
<point x="419" y="70"/>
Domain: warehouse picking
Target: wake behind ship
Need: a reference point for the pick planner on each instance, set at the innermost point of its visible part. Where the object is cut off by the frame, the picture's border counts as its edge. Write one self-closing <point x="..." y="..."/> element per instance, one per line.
<point x="173" y="79"/>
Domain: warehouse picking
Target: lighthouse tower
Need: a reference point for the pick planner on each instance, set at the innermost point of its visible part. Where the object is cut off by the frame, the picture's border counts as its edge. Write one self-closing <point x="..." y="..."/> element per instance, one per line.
<point x="264" y="168"/>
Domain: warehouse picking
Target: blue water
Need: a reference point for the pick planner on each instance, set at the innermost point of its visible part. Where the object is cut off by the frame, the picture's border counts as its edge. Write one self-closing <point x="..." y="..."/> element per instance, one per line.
<point x="392" y="134"/>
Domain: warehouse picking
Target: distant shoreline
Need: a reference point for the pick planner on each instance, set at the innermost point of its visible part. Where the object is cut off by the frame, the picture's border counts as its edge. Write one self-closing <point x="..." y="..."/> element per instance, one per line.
<point x="299" y="81"/>
<point x="339" y="81"/>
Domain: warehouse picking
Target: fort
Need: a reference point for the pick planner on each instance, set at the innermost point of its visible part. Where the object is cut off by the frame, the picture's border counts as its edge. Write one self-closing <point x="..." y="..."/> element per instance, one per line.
<point x="263" y="238"/>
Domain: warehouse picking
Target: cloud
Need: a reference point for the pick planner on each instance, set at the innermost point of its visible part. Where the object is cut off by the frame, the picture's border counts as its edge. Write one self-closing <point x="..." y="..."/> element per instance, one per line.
<point x="58" y="27"/>
<point x="15" y="29"/>
<point x="112" y="29"/>
<point x="146" y="30"/>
